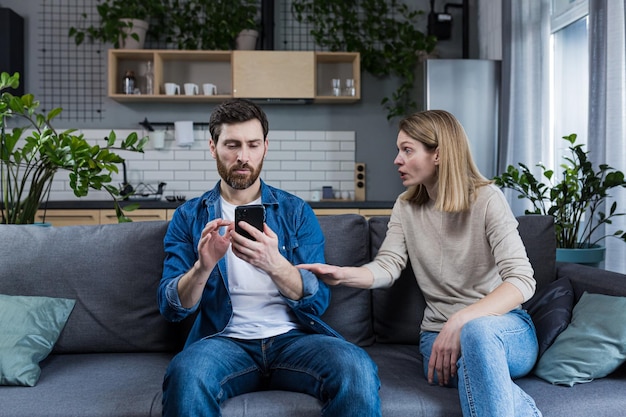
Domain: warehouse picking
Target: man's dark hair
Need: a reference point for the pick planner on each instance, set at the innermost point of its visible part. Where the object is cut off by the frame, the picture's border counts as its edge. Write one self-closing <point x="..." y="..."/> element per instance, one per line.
<point x="236" y="110"/>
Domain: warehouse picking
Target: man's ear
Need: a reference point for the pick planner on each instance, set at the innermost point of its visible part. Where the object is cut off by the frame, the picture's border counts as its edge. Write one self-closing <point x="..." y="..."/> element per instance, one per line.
<point x="212" y="147"/>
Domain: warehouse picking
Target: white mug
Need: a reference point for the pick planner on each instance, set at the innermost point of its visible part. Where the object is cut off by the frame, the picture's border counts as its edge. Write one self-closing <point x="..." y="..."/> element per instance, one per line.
<point x="171" y="89"/>
<point x="158" y="138"/>
<point x="209" y="89"/>
<point x="191" y="89"/>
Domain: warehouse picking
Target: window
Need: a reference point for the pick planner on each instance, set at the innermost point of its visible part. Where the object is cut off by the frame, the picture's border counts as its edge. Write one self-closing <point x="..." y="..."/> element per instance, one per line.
<point x="570" y="73"/>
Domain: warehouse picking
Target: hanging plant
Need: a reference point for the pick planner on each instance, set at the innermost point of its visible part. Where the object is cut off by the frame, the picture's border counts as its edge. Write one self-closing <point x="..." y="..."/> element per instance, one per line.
<point x="384" y="33"/>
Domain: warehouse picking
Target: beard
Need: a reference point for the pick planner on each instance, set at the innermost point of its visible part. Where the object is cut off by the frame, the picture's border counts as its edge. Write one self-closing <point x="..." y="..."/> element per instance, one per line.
<point x="238" y="181"/>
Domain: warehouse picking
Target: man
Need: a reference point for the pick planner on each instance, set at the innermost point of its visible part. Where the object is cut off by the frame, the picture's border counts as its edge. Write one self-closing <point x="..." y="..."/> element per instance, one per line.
<point x="258" y="325"/>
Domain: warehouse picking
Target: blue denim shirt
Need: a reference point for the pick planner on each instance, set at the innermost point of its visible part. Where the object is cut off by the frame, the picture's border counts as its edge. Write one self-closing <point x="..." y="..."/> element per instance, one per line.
<point x="300" y="240"/>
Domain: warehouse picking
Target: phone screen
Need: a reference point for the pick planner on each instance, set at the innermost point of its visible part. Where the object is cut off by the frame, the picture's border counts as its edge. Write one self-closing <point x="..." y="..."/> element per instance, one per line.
<point x="253" y="214"/>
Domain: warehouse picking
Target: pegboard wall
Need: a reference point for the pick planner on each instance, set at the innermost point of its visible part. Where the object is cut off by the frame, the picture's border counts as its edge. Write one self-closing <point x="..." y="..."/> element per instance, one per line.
<point x="71" y="76"/>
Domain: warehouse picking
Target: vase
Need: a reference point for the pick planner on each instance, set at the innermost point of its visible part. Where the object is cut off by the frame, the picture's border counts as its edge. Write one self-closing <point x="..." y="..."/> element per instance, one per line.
<point x="140" y="27"/>
<point x="591" y="256"/>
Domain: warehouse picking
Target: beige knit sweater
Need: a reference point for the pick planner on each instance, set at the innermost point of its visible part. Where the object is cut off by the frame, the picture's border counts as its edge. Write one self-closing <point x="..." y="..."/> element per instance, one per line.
<point x="457" y="258"/>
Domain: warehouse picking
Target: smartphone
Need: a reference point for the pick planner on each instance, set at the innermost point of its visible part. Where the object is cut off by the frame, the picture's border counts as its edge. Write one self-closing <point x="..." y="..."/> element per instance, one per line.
<point x="253" y="214"/>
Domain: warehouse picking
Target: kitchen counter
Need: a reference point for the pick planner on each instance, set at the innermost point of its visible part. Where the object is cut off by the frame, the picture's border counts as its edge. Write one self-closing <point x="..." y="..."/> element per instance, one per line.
<point x="163" y="204"/>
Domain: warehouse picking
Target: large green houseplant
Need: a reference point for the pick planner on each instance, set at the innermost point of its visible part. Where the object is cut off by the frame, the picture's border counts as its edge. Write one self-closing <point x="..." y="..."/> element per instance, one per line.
<point x="384" y="32"/>
<point x="119" y="21"/>
<point x="31" y="155"/>
<point x="576" y="200"/>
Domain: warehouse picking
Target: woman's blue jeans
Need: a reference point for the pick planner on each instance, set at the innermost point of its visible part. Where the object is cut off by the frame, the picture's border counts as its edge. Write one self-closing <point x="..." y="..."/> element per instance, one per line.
<point x="208" y="372"/>
<point x="494" y="351"/>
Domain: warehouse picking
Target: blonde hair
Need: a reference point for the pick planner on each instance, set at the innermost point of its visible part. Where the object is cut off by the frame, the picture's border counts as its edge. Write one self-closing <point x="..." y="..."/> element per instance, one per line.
<point x="457" y="173"/>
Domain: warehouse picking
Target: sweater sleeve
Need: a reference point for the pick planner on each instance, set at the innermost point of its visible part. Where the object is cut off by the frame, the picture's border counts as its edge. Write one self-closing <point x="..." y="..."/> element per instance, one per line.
<point x="507" y="247"/>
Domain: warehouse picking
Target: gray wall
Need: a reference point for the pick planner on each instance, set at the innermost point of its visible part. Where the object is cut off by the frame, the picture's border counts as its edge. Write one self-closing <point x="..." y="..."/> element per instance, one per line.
<point x="375" y="135"/>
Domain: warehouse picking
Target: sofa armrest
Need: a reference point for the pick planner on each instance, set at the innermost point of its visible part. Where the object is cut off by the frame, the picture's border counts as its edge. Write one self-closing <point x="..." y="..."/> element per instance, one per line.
<point x="591" y="279"/>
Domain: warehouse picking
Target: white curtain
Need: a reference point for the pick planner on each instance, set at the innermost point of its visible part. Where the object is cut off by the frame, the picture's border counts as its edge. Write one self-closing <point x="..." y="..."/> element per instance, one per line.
<point x="525" y="129"/>
<point x="607" y="107"/>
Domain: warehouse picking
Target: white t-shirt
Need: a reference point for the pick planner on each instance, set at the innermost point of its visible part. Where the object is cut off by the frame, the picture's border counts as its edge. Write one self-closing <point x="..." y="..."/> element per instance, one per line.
<point x="259" y="311"/>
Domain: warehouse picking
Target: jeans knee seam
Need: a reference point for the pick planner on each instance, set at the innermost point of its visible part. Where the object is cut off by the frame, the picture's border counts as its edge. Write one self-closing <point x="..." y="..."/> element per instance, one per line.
<point x="468" y="391"/>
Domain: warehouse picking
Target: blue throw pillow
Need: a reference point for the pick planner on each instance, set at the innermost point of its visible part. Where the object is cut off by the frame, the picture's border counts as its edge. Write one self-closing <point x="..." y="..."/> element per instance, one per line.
<point x="551" y="311"/>
<point x="30" y="326"/>
<point x="592" y="346"/>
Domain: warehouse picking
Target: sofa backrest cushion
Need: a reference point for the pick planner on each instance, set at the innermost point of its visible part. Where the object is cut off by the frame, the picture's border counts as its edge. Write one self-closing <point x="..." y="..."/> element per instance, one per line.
<point x="112" y="271"/>
<point x="398" y="310"/>
<point x="537" y="233"/>
<point x="347" y="244"/>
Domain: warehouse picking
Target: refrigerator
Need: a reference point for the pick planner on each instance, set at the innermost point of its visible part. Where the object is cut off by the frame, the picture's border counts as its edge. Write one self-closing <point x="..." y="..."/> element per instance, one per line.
<point x="470" y="90"/>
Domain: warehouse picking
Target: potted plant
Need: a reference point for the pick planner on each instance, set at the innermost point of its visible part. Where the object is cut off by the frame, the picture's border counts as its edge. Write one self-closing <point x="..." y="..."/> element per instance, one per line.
<point x="209" y="24"/>
<point x="124" y="23"/>
<point x="576" y="200"/>
<point x="30" y="157"/>
<point x="384" y="32"/>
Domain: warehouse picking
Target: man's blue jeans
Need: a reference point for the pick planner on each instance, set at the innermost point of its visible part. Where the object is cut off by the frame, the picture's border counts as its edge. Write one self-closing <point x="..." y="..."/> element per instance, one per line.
<point x="494" y="351"/>
<point x="208" y="372"/>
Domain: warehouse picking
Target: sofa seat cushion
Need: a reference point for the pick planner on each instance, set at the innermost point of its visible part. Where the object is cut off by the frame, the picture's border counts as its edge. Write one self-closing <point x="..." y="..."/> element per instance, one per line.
<point x="601" y="398"/>
<point x="95" y="384"/>
<point x="404" y="390"/>
<point x="272" y="404"/>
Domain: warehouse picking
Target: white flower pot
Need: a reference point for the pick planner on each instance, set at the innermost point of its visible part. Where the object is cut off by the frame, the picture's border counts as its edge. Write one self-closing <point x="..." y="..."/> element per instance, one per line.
<point x="246" y="40"/>
<point x="140" y="27"/>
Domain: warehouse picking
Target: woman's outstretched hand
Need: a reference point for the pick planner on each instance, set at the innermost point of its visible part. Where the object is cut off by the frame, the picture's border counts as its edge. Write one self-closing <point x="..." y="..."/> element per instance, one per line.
<point x="358" y="277"/>
<point x="330" y="274"/>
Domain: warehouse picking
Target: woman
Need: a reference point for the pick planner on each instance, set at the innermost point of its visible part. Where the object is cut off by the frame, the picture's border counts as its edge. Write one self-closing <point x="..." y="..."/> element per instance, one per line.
<point x="461" y="237"/>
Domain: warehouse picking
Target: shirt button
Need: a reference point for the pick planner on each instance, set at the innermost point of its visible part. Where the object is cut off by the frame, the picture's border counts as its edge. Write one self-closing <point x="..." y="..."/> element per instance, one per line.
<point x="312" y="323"/>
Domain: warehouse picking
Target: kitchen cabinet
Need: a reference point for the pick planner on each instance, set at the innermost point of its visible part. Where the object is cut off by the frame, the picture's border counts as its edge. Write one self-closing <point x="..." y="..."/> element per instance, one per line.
<point x="274" y="74"/>
<point x="139" y="215"/>
<point x="69" y="217"/>
<point x="271" y="75"/>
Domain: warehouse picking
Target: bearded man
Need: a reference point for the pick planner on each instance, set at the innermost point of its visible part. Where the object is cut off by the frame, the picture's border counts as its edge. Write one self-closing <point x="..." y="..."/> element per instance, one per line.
<point x="258" y="323"/>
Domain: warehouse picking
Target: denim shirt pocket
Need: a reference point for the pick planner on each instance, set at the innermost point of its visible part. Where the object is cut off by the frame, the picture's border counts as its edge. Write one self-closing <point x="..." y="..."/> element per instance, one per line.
<point x="287" y="246"/>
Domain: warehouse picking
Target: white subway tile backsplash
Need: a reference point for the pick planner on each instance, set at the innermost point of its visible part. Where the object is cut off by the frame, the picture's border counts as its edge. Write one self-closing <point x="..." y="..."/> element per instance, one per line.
<point x="297" y="166"/>
<point x="297" y="161"/>
<point x="310" y="135"/>
<point x="278" y="135"/>
<point x="326" y="146"/>
<point x="273" y="176"/>
<point x="325" y="165"/>
<point x="294" y="145"/>
<point x="347" y="136"/>
<point x="280" y="156"/>
<point x="189" y="175"/>
<point x="311" y="156"/>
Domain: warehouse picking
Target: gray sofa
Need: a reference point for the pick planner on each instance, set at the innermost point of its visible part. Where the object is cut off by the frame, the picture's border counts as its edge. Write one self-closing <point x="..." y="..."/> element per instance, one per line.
<point x="111" y="356"/>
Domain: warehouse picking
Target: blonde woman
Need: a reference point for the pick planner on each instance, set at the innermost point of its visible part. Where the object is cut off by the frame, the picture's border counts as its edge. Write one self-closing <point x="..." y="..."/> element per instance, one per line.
<point x="461" y="237"/>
